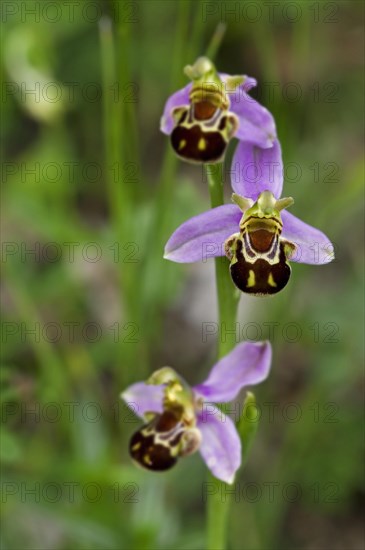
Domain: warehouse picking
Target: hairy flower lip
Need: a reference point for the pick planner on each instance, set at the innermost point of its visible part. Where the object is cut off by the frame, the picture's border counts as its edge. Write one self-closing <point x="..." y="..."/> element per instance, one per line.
<point x="247" y="364"/>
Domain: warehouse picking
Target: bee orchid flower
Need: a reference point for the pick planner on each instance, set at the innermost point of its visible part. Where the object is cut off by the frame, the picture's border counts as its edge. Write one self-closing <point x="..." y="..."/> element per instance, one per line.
<point x="257" y="234"/>
<point x="179" y="419"/>
<point x="206" y="114"/>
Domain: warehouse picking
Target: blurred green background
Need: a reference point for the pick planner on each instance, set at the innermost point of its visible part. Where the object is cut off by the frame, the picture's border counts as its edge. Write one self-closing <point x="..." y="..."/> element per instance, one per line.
<point x="90" y="194"/>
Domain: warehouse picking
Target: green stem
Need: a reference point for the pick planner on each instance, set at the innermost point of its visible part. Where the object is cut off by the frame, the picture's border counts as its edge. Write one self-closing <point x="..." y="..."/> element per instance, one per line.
<point x="216" y="41"/>
<point x="217" y="513"/>
<point x="114" y="49"/>
<point x="127" y="100"/>
<point x="111" y="120"/>
<point x="226" y="293"/>
<point x="152" y="288"/>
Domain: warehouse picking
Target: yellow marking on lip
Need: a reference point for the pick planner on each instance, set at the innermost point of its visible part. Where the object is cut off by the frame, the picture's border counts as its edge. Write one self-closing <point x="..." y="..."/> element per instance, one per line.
<point x="251" y="281"/>
<point x="271" y="281"/>
<point x="182" y="144"/>
<point x="147" y="460"/>
<point x="202" y="145"/>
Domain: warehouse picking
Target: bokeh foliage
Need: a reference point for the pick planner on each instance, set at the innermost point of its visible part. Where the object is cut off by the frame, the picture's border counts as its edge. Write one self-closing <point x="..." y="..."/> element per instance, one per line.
<point x="89" y="165"/>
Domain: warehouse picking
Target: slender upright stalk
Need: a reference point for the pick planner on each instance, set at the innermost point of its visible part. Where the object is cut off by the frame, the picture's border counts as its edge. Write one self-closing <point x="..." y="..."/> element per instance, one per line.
<point x="217" y="513"/>
<point x="119" y="196"/>
<point x="216" y="41"/>
<point x="152" y="287"/>
<point x="112" y="122"/>
<point x="226" y="293"/>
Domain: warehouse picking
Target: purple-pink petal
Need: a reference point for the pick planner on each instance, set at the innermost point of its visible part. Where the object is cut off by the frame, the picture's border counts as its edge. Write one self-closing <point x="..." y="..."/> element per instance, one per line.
<point x="203" y="236"/>
<point x="143" y="398"/>
<point x="221" y="445"/>
<point x="255" y="170"/>
<point x="256" y="123"/>
<point x="313" y="246"/>
<point x="247" y="364"/>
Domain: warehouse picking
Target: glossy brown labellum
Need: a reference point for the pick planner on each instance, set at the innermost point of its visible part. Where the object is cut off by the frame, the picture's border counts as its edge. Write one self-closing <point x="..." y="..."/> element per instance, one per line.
<point x="154" y="446"/>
